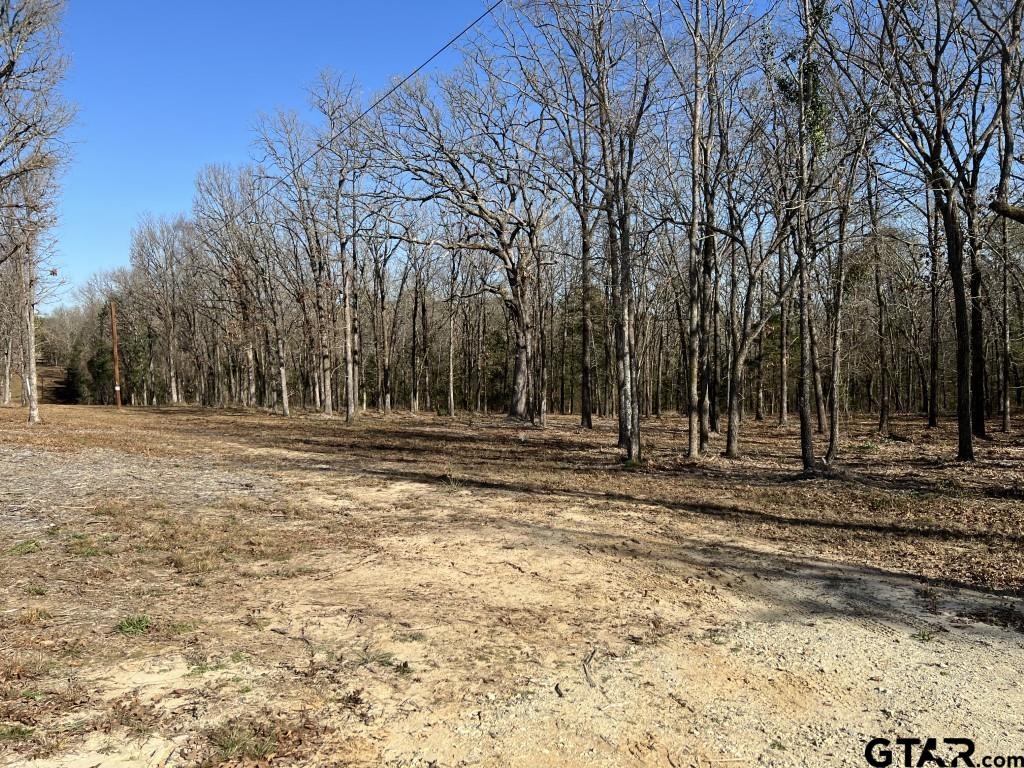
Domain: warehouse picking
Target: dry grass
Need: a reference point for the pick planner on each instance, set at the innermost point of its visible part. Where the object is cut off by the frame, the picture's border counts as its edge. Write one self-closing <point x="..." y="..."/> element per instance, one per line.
<point x="192" y="569"/>
<point x="259" y="739"/>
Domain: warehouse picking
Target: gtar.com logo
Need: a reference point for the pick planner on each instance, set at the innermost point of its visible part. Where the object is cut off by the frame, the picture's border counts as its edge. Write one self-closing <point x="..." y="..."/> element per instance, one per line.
<point x="910" y="752"/>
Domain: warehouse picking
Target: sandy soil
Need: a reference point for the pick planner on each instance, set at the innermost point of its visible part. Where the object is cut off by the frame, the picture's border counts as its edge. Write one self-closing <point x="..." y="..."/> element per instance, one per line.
<point x="180" y="587"/>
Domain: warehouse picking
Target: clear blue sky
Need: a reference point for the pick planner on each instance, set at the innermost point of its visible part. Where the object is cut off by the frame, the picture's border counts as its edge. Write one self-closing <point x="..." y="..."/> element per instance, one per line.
<point x="163" y="88"/>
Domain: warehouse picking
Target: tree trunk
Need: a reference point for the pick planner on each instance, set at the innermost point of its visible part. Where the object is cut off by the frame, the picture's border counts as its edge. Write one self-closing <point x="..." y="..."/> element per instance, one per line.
<point x="561" y="358"/>
<point x="708" y="266"/>
<point x="883" y="358"/>
<point x="350" y="369"/>
<point x="880" y="320"/>
<point x="426" y="351"/>
<point x="978" y="377"/>
<point x="633" y="447"/>
<point x="819" y="390"/>
<point x="947" y="207"/>
<point x="250" y="373"/>
<point x="587" y="364"/>
<point x="29" y="377"/>
<point x="451" y="358"/>
<point x="759" y="402"/>
<point x="619" y="312"/>
<point x="804" y="382"/>
<point x="172" y="370"/>
<point x="783" y="343"/>
<point x="482" y="360"/>
<point x="693" y="237"/>
<point x="326" y="386"/>
<point x="732" y="428"/>
<point x="933" y="336"/>
<point x="282" y="372"/>
<point x="414" y="394"/>
<point x="714" y="367"/>
<point x="5" y="373"/>
<point x="1005" y="362"/>
<point x="838" y="297"/>
<point x="693" y="369"/>
<point x="519" y="405"/>
<point x="659" y="368"/>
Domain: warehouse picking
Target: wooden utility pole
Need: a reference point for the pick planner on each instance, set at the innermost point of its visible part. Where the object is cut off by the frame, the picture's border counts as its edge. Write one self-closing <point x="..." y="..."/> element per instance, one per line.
<point x="117" y="366"/>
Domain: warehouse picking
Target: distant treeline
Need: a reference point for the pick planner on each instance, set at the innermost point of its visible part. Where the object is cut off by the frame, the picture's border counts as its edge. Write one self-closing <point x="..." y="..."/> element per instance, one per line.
<point x="611" y="208"/>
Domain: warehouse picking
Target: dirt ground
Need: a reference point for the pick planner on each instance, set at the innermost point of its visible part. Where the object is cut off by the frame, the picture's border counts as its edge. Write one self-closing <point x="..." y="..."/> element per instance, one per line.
<point x="180" y="587"/>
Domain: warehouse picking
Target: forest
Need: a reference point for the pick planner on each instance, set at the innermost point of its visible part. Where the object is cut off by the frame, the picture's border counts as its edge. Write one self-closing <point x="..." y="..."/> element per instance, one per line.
<point x="604" y="209"/>
<point x="633" y="383"/>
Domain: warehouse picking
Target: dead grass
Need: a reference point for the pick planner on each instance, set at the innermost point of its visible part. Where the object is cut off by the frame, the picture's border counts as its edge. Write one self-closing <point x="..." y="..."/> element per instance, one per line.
<point x="259" y="739"/>
<point x="237" y="572"/>
<point x="201" y="545"/>
<point x="24" y="666"/>
<point x="129" y="716"/>
<point x="33" y="616"/>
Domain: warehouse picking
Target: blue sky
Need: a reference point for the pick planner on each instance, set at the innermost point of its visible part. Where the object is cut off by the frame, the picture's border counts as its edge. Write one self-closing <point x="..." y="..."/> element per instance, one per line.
<point x="163" y="88"/>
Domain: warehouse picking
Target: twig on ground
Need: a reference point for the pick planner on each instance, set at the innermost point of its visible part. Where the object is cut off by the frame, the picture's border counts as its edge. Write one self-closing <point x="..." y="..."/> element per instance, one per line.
<point x="586" y="668"/>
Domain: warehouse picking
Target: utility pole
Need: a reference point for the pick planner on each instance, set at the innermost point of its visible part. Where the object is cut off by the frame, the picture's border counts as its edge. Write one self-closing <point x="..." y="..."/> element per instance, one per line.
<point x="117" y="366"/>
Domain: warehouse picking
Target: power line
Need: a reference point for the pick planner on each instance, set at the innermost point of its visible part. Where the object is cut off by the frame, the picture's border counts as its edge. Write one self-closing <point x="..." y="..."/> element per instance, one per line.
<point x="351" y="124"/>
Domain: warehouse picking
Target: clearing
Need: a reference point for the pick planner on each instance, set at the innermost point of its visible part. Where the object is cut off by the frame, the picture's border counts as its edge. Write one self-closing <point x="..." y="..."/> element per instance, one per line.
<point x="186" y="587"/>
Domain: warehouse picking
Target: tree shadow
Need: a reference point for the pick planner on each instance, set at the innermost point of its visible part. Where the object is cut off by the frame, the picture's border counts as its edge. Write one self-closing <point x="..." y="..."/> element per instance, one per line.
<point x="779" y="586"/>
<point x="702" y="509"/>
<point x="487" y="455"/>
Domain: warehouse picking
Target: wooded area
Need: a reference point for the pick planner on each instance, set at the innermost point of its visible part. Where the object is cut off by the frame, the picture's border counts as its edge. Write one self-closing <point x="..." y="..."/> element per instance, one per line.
<point x="33" y="116"/>
<point x="606" y="209"/>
